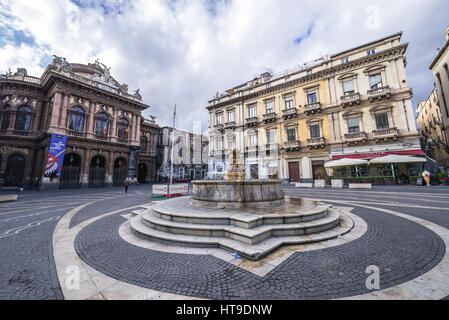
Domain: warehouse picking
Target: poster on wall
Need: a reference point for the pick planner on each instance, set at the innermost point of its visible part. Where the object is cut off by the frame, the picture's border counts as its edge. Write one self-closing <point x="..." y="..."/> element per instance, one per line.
<point x="132" y="170"/>
<point x="55" y="155"/>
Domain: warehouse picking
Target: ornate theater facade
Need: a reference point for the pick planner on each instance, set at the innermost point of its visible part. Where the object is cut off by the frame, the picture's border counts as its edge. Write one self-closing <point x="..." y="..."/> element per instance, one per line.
<point x="107" y="137"/>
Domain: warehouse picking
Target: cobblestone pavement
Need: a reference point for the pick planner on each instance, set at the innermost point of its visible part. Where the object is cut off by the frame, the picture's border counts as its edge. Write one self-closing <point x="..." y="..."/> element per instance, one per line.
<point x="402" y="250"/>
<point x="27" y="269"/>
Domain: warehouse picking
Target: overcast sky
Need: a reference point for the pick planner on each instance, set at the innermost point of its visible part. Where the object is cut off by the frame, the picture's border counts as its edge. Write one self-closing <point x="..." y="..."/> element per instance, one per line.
<point x="183" y="52"/>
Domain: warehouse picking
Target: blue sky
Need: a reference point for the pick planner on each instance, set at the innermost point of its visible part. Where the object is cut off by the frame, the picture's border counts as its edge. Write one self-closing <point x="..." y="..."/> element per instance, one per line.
<point x="182" y="52"/>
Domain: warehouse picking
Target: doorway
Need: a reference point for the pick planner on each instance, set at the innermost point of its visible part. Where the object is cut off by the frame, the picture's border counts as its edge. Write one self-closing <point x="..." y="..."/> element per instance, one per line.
<point x="319" y="172"/>
<point x="142" y="173"/>
<point x="97" y="172"/>
<point x="119" y="174"/>
<point x="14" y="170"/>
<point x="293" y="171"/>
<point x="70" y="173"/>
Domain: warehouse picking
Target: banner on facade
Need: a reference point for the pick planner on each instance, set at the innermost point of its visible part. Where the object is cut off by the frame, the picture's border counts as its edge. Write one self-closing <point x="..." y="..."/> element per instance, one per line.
<point x="132" y="170"/>
<point x="55" y="155"/>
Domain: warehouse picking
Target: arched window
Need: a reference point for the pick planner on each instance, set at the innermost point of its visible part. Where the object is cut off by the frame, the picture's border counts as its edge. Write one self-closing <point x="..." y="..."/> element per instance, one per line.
<point x="143" y="144"/>
<point x="123" y="128"/>
<point x="23" y="118"/>
<point x="76" y="121"/>
<point x="102" y="124"/>
<point x="6" y="117"/>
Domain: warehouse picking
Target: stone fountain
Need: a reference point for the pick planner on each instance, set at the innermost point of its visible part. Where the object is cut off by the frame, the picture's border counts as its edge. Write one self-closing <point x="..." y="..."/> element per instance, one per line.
<point x="248" y="217"/>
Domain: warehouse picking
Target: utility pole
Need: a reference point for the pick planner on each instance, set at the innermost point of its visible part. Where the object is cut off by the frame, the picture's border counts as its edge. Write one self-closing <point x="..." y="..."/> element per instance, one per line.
<point x="172" y="146"/>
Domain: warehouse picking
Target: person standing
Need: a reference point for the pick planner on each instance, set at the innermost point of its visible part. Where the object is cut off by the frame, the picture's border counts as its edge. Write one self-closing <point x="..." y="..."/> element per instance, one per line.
<point x="126" y="184"/>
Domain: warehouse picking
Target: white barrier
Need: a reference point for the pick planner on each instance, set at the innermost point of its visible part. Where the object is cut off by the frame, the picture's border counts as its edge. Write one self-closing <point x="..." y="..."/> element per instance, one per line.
<point x="179" y="188"/>
<point x="320" y="184"/>
<point x="360" y="186"/>
<point x="337" y="183"/>
<point x="160" y="189"/>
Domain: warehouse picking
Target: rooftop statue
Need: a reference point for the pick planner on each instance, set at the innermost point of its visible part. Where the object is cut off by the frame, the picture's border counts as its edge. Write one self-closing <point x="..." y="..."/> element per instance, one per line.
<point x="137" y="94"/>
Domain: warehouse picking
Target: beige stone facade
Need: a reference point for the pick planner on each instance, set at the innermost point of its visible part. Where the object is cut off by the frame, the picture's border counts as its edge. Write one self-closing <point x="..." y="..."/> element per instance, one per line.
<point x="356" y="103"/>
<point x="433" y="136"/>
<point x="440" y="69"/>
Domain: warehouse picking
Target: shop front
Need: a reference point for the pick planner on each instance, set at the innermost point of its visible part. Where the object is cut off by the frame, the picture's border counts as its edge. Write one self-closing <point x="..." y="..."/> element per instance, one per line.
<point x="399" y="167"/>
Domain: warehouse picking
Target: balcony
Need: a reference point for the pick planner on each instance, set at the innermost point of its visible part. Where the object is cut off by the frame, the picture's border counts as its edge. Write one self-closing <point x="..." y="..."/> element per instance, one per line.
<point x="379" y="93"/>
<point x="252" y="149"/>
<point x="229" y="125"/>
<point x="349" y="100"/>
<point x="101" y="137"/>
<point x="289" y="113"/>
<point x="217" y="153"/>
<point x="315" y="143"/>
<point x="312" y="108"/>
<point x="355" y="137"/>
<point x="18" y="133"/>
<point x="219" y="126"/>
<point x="293" y="145"/>
<point x="251" y="122"/>
<point x="123" y="140"/>
<point x="271" y="146"/>
<point x="385" y="134"/>
<point x="78" y="134"/>
<point x="269" y="117"/>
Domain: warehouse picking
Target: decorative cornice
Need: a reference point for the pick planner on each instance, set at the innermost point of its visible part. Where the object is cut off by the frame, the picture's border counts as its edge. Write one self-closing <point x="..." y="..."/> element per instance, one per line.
<point x="320" y="75"/>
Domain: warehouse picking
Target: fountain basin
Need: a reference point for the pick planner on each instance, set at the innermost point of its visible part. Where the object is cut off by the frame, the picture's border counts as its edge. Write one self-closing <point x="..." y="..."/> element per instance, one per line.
<point x="264" y="193"/>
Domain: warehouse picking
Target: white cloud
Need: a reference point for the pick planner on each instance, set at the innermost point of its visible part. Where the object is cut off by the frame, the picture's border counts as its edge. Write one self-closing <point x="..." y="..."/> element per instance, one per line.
<point x="183" y="51"/>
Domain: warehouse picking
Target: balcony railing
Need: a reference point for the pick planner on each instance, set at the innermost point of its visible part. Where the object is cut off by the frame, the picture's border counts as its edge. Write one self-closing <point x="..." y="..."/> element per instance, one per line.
<point x="315" y="142"/>
<point x="271" y="146"/>
<point x="289" y="113"/>
<point x="380" y="92"/>
<point x="293" y="145"/>
<point x="78" y="134"/>
<point x="386" y="133"/>
<point x="269" y="117"/>
<point x="218" y="126"/>
<point x="101" y="137"/>
<point x="123" y="140"/>
<point x="252" y="149"/>
<point x="312" y="108"/>
<point x="251" y="121"/>
<point x="350" y="99"/>
<point x="229" y="125"/>
<point x="18" y="133"/>
<point x="355" y="137"/>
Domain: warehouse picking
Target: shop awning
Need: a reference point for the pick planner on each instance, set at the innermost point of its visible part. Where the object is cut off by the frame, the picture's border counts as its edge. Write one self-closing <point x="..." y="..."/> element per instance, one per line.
<point x="344" y="162"/>
<point x="394" y="158"/>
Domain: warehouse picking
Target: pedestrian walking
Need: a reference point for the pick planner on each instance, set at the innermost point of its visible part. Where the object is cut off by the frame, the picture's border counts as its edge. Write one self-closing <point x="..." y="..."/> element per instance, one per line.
<point x="126" y="184"/>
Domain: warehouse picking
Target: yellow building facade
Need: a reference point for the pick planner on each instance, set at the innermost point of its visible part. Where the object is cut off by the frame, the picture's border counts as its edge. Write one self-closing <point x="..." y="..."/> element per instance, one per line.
<point x="430" y="122"/>
<point x="354" y="104"/>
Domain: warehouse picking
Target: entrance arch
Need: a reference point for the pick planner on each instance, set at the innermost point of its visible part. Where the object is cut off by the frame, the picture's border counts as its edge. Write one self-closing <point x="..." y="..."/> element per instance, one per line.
<point x="142" y="172"/>
<point x="119" y="174"/>
<point x="70" y="173"/>
<point x="97" y="172"/>
<point x="14" y="170"/>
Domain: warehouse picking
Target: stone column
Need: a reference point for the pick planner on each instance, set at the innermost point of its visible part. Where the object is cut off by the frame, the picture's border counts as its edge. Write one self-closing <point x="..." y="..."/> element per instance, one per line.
<point x="63" y="117"/>
<point x="109" y="168"/>
<point x="12" y="120"/>
<point x="113" y="133"/>
<point x="55" y="110"/>
<point x="138" y="120"/>
<point x="90" y="128"/>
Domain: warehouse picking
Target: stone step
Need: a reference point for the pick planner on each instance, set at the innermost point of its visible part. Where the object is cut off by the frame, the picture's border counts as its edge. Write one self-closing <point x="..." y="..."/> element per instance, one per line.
<point x="245" y="235"/>
<point x="252" y="252"/>
<point x="239" y="218"/>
